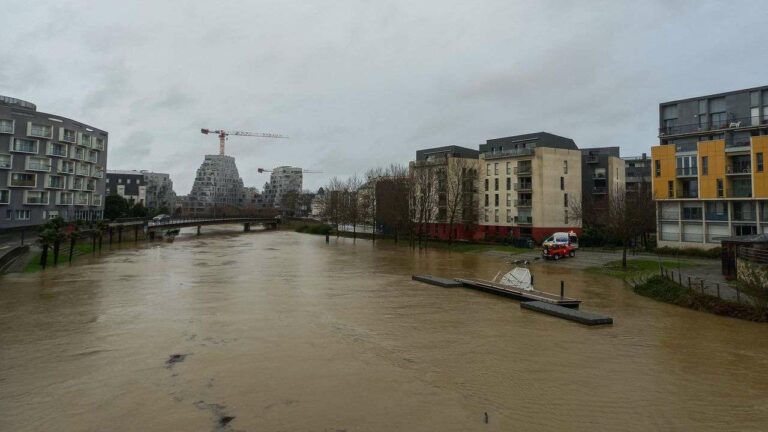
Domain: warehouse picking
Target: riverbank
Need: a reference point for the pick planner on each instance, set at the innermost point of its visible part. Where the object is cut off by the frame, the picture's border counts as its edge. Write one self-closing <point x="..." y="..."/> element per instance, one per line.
<point x="665" y="290"/>
<point x="636" y="268"/>
<point x="457" y="246"/>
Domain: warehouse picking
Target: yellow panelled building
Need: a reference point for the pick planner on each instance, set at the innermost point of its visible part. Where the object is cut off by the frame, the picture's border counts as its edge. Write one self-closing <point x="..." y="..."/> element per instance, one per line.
<point x="709" y="172"/>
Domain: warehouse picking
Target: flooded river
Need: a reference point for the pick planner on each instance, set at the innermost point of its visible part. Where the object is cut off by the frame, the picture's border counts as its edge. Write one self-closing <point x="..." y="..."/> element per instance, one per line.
<point x="282" y="332"/>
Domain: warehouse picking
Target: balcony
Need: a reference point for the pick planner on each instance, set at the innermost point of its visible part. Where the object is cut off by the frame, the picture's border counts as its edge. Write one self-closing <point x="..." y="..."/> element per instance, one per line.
<point x="523" y="187"/>
<point x="507" y="153"/>
<point x="65" y="198"/>
<point x="600" y="190"/>
<point x="522" y="203"/>
<point x="68" y="136"/>
<point x="526" y="169"/>
<point x="81" y="199"/>
<point x="23" y="180"/>
<point x="523" y="220"/>
<point x="687" y="172"/>
<point x="36" y="198"/>
<point x="6" y="126"/>
<point x="735" y="169"/>
<point x="5" y="161"/>
<point x="83" y="170"/>
<point x="98" y="144"/>
<point x="729" y="124"/>
<point x="24" y="146"/>
<point x="687" y="194"/>
<point x="55" y="183"/>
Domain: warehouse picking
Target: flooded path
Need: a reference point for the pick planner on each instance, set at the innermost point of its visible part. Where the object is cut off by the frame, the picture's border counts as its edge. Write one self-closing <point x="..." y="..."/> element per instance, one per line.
<point x="278" y="331"/>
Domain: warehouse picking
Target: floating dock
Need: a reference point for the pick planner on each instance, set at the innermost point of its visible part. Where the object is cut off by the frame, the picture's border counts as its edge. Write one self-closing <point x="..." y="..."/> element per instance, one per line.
<point x="578" y="316"/>
<point x="520" y="294"/>
<point x="434" y="280"/>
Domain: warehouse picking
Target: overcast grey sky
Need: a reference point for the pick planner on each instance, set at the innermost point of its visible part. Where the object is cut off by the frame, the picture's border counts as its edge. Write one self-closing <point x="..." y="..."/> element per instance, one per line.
<point x="363" y="83"/>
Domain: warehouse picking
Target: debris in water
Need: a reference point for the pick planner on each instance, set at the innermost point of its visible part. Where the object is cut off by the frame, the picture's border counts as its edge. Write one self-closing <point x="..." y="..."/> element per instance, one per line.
<point x="224" y="420"/>
<point x="175" y="358"/>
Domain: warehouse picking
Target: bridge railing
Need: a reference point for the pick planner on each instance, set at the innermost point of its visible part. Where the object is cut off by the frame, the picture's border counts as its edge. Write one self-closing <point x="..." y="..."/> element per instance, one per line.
<point x="192" y="220"/>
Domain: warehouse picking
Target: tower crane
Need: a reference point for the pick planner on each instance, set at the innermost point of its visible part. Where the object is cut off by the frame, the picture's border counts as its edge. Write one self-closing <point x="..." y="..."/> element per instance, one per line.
<point x="303" y="171"/>
<point x="224" y="134"/>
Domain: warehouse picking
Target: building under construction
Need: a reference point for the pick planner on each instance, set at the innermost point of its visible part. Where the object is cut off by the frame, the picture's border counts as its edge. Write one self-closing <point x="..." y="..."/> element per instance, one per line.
<point x="217" y="186"/>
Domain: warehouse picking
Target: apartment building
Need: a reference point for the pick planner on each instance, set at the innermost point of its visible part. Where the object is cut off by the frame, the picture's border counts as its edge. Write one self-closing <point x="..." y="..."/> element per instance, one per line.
<point x="528" y="183"/>
<point x="217" y="186"/>
<point x="709" y="176"/>
<point x="282" y="180"/>
<point x="638" y="172"/>
<point x="446" y="181"/>
<point x="128" y="184"/>
<point x="49" y="166"/>
<point x="603" y="175"/>
<point x="152" y="190"/>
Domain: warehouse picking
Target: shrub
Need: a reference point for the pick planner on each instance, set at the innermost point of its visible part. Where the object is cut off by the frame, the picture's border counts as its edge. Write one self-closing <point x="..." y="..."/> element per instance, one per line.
<point x="693" y="252"/>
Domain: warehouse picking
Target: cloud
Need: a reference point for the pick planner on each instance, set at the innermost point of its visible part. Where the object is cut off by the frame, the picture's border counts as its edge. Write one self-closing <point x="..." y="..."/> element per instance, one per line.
<point x="359" y="84"/>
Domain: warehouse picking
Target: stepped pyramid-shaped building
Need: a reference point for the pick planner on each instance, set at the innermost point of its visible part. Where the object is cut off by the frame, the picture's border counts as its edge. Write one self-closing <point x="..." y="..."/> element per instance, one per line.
<point x="217" y="186"/>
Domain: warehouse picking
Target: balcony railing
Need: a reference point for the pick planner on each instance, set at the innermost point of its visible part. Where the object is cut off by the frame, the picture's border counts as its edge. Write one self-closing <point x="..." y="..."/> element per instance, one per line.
<point x="523" y="186"/>
<point x="522" y="203"/>
<point x="523" y="169"/>
<point x="687" y="194"/>
<point x="65" y="199"/>
<point x="740" y="192"/>
<point x="98" y="145"/>
<point x="507" y="153"/>
<point x="687" y="172"/>
<point x="5" y="161"/>
<point x="523" y="220"/>
<point x="600" y="190"/>
<point x="22" y="182"/>
<point x="734" y="123"/>
<point x="37" y="166"/>
<point x="600" y="176"/>
<point x="739" y="169"/>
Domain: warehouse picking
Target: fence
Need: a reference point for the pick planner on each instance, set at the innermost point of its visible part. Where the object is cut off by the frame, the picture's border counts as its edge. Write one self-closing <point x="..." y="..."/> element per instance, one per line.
<point x="719" y="289"/>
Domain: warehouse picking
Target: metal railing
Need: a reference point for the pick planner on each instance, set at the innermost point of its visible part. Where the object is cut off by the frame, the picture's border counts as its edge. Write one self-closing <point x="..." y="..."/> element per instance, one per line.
<point x="732" y="123"/>
<point x="523" y="186"/>
<point x="507" y="153"/>
<point x="690" y="171"/>
<point x="686" y="194"/>
<point x="752" y="254"/>
<point x="739" y="168"/>
<point x="522" y="203"/>
<point x="523" y="169"/>
<point x="524" y="220"/>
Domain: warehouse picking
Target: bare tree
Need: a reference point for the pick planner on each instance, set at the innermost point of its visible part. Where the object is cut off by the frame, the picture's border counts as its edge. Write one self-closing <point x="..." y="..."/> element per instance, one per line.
<point x="424" y="197"/>
<point x="333" y="205"/>
<point x="352" y="206"/>
<point x="393" y="205"/>
<point x="460" y="193"/>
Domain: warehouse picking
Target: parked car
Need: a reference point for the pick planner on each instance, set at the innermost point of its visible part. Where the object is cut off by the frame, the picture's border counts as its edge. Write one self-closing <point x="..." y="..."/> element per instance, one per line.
<point x="556" y="251"/>
<point x="161" y="218"/>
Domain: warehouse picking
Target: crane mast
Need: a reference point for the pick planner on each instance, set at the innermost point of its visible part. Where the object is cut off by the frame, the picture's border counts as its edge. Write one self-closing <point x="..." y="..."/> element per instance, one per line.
<point x="223" y="136"/>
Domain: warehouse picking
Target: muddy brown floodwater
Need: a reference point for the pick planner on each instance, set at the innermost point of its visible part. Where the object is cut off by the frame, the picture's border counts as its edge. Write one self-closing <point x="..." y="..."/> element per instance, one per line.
<point x="278" y="331"/>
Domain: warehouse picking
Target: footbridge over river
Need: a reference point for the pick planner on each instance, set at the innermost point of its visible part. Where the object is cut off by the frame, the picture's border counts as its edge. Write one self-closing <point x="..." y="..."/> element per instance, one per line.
<point x="153" y="227"/>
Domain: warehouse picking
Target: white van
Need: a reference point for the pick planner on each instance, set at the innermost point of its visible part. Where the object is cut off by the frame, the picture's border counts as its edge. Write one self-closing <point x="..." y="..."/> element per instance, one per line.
<point x="563" y="238"/>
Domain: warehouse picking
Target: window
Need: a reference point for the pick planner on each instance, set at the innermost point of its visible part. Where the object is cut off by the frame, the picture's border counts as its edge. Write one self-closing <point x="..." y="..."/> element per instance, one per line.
<point x="565" y="167"/>
<point x="5" y="196"/>
<point x="718" y="120"/>
<point x="496" y="200"/>
<point x="704" y="165"/>
<point x="56" y="149"/>
<point x="670" y="188"/>
<point x="22" y="180"/>
<point x="128" y="181"/>
<point x="509" y="200"/>
<point x="485" y="213"/>
<point x="759" y="160"/>
<point x="509" y="183"/>
<point x="657" y="167"/>
<point x="496" y="215"/>
<point x="487" y="169"/>
<point x="23" y="145"/>
<point x="39" y="130"/>
<point x="486" y="200"/>
<point x="36" y="197"/>
<point x="565" y="217"/>
<point x="22" y="214"/>
<point x="85" y="140"/>
<point x="52" y="214"/>
<point x="719" y="188"/>
<point x="496" y="169"/>
<point x="5" y="161"/>
<point x="120" y="181"/>
<point x="509" y="216"/>
<point x="509" y="168"/>
<point x="66" y="167"/>
<point x="38" y="164"/>
<point x="67" y="135"/>
<point x="9" y="214"/>
<point x="565" y="200"/>
<point x="562" y="183"/>
<point x="496" y="183"/>
<point x="486" y="184"/>
<point x="55" y="182"/>
<point x="754" y="98"/>
<point x="6" y="126"/>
